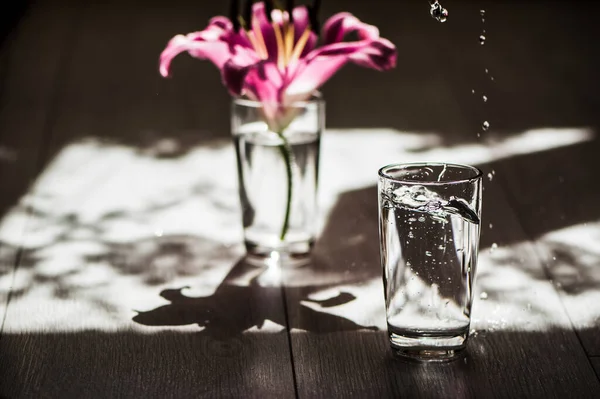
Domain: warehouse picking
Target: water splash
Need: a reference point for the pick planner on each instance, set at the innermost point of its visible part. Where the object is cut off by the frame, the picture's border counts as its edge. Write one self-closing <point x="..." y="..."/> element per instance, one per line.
<point x="438" y="12"/>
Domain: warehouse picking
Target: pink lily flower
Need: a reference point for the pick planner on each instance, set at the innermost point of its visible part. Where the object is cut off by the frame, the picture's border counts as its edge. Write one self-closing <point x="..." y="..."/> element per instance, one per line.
<point x="275" y="60"/>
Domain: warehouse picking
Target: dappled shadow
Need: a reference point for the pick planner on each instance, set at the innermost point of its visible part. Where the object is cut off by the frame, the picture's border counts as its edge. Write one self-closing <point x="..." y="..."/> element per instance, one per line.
<point x="349" y="240"/>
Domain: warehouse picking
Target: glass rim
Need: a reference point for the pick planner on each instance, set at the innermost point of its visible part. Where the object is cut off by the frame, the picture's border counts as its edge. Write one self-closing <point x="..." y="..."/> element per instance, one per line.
<point x="316" y="99"/>
<point x="477" y="173"/>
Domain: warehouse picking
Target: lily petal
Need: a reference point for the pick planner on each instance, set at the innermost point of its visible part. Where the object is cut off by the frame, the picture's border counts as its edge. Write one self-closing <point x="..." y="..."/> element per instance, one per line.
<point x="322" y="63"/>
<point x="265" y="82"/>
<point x="340" y="24"/>
<point x="261" y="23"/>
<point x="301" y="24"/>
<point x="214" y="43"/>
<point x="236" y="69"/>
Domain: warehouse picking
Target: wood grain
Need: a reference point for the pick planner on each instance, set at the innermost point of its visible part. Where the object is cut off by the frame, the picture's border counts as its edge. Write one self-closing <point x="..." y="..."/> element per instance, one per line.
<point x="501" y="365"/>
<point x="30" y="64"/>
<point x="596" y="363"/>
<point x="101" y="307"/>
<point x="521" y="330"/>
<point x="113" y="318"/>
<point x="97" y="364"/>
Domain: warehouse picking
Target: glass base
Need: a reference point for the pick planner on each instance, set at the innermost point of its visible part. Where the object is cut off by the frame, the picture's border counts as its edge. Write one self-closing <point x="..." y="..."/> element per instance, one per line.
<point x="427" y="347"/>
<point x="293" y="254"/>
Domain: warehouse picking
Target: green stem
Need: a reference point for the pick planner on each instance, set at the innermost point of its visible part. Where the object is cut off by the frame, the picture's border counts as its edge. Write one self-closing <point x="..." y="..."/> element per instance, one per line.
<point x="286" y="153"/>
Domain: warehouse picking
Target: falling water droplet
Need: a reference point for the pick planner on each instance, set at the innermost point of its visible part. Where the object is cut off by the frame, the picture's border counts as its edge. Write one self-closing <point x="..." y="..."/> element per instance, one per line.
<point x="472" y="91"/>
<point x="158" y="233"/>
<point x="491" y="226"/>
<point x="483" y="296"/>
<point x="484" y="99"/>
<point x="428" y="253"/>
<point x="493" y="247"/>
<point x="438" y="12"/>
<point x="486" y="70"/>
<point x="490" y="176"/>
<point x="482" y="13"/>
<point x="554" y="258"/>
<point x="485" y="126"/>
<point x="481" y="39"/>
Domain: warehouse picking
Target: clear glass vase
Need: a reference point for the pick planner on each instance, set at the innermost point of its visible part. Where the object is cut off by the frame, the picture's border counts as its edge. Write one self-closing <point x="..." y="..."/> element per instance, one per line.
<point x="278" y="166"/>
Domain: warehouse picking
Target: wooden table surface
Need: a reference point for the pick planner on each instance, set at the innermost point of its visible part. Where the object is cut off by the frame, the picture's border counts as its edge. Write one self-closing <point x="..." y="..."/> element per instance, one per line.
<point x="121" y="269"/>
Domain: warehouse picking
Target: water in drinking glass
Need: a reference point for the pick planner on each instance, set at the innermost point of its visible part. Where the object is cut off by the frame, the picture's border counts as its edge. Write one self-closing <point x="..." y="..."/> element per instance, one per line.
<point x="429" y="240"/>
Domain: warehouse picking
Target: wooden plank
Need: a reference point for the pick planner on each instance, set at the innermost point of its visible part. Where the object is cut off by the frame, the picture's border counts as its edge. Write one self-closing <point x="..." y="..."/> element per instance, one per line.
<point x="363" y="366"/>
<point x="30" y="62"/>
<point x="518" y="318"/>
<point x="126" y="213"/>
<point x="127" y="364"/>
<point x="596" y="364"/>
<point x="560" y="212"/>
<point x="519" y="324"/>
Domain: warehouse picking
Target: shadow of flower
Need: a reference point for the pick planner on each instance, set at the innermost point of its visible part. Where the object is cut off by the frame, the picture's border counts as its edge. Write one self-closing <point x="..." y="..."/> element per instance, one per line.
<point x="233" y="309"/>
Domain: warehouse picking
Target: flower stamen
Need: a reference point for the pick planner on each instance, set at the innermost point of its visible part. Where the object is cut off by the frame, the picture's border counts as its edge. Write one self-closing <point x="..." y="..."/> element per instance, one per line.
<point x="289" y="43"/>
<point x="260" y="41"/>
<point x="280" y="47"/>
<point x="300" y="44"/>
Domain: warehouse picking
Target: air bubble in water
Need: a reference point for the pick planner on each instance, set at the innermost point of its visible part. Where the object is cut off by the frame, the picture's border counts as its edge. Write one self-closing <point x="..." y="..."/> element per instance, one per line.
<point x="481" y="39"/>
<point x="438" y="12"/>
<point x="485" y="126"/>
